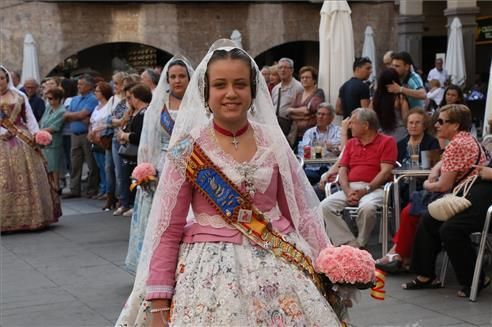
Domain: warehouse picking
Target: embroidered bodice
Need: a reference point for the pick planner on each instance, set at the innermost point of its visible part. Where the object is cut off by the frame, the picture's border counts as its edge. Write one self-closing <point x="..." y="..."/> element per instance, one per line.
<point x="257" y="177"/>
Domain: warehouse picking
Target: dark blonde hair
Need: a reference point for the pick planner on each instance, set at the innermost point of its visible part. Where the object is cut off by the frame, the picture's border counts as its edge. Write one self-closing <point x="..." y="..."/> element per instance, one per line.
<point x="459" y="114"/>
<point x="56" y="92"/>
<point x="311" y="69"/>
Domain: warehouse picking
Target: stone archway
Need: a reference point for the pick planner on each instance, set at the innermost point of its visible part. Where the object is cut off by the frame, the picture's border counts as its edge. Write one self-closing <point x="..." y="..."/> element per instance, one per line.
<point x="104" y="59"/>
<point x="302" y="52"/>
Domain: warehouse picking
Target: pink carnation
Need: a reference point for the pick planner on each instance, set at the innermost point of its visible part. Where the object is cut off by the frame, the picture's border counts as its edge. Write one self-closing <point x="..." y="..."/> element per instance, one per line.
<point x="143" y="171"/>
<point x="346" y="264"/>
<point x="43" y="138"/>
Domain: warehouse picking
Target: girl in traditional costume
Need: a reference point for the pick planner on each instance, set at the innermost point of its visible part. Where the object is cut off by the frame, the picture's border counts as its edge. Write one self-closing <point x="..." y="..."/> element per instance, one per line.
<point x="245" y="258"/>
<point x="28" y="199"/>
<point x="154" y="141"/>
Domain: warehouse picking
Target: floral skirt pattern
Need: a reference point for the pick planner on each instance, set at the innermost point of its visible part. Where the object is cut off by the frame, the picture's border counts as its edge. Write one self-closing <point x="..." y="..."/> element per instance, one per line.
<point x="224" y="284"/>
<point x="26" y="200"/>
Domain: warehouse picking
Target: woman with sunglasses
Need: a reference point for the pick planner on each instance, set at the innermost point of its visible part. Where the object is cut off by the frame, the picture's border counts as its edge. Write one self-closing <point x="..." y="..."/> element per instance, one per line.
<point x="431" y="234"/>
<point x="52" y="122"/>
<point x="456" y="164"/>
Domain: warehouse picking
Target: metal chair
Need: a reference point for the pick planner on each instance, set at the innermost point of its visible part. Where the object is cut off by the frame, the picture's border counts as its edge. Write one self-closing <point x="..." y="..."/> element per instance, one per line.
<point x="383" y="211"/>
<point x="484" y="245"/>
<point x="300" y="159"/>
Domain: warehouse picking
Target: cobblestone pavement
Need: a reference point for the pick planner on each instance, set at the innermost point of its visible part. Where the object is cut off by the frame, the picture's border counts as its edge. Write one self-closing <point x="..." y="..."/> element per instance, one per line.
<point x="72" y="275"/>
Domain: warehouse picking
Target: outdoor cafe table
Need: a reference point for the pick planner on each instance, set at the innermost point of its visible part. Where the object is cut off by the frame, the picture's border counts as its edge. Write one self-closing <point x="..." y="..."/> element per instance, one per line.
<point x="322" y="161"/>
<point x="399" y="174"/>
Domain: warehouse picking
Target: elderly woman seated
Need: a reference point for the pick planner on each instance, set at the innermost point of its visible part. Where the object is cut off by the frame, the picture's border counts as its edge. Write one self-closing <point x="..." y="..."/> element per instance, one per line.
<point x="454" y="236"/>
<point x="456" y="164"/>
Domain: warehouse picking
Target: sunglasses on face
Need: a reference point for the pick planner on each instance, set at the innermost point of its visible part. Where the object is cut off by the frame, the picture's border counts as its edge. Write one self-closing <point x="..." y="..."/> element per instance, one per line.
<point x="441" y="121"/>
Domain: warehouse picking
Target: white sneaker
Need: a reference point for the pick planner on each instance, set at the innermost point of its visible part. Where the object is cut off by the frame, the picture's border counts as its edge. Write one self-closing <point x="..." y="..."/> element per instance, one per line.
<point x="128" y="213"/>
<point x="119" y="211"/>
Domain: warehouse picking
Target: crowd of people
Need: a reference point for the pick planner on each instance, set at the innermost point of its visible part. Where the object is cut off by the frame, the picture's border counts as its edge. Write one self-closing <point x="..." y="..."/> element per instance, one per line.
<point x="250" y="128"/>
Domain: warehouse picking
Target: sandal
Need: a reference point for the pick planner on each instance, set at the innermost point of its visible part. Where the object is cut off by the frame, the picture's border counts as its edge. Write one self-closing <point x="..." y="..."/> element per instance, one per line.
<point x="417" y="284"/>
<point x="391" y="265"/>
<point x="466" y="290"/>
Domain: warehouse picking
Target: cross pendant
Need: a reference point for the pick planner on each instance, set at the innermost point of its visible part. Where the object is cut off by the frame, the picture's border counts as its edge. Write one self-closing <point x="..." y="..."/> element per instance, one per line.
<point x="235" y="142"/>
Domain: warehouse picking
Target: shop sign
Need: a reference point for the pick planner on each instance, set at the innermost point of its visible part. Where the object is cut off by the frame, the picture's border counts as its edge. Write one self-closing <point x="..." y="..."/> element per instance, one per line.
<point x="484" y="30"/>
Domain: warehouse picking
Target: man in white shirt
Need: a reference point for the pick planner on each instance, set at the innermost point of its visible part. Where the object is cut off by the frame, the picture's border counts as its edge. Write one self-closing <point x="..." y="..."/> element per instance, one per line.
<point x="285" y="92"/>
<point x="439" y="73"/>
<point x="325" y="135"/>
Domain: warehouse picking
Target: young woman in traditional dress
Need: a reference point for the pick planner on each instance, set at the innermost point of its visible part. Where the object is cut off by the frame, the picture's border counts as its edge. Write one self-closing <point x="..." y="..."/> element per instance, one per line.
<point x="28" y="200"/>
<point x="251" y="203"/>
<point x="156" y="133"/>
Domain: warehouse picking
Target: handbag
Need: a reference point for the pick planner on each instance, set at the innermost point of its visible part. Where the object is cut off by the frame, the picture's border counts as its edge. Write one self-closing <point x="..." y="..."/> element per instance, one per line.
<point x="451" y="204"/>
<point x="128" y="151"/>
<point x="420" y="200"/>
<point x="285" y="124"/>
<point x="105" y="141"/>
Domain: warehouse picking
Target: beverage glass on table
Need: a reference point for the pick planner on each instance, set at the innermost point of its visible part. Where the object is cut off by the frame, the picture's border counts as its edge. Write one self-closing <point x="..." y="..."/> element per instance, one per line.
<point x="414" y="153"/>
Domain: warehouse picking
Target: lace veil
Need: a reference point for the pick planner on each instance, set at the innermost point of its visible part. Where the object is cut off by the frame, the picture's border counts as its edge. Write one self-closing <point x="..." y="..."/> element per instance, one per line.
<point x="149" y="149"/>
<point x="31" y="122"/>
<point x="303" y="202"/>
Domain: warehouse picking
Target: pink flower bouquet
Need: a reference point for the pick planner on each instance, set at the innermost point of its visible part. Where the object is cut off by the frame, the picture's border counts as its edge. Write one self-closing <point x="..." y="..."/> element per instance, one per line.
<point x="144" y="175"/>
<point x="43" y="138"/>
<point x="347" y="265"/>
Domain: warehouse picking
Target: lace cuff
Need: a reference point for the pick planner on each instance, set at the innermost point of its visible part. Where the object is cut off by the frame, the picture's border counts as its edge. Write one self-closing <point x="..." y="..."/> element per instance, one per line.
<point x="159" y="292"/>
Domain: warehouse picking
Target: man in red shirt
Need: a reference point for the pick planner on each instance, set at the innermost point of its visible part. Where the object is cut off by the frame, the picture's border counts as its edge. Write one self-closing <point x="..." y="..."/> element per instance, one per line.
<point x="366" y="165"/>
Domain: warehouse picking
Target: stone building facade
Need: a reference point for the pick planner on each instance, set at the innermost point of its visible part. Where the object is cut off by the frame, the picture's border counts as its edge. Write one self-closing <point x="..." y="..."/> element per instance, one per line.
<point x="62" y="29"/>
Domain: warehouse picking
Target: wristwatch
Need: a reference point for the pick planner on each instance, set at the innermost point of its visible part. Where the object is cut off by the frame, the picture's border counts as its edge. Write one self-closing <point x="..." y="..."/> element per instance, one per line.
<point x="367" y="188"/>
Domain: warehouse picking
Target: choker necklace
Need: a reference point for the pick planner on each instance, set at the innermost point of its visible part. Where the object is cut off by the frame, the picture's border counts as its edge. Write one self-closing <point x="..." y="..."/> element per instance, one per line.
<point x="4" y="92"/>
<point x="234" y="136"/>
<point x="177" y="97"/>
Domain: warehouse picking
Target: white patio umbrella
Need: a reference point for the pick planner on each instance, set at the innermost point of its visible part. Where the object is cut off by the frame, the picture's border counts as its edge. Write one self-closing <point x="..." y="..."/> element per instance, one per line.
<point x="30" y="66"/>
<point x="455" y="54"/>
<point x="336" y="47"/>
<point x="369" y="50"/>
<point x="488" y="106"/>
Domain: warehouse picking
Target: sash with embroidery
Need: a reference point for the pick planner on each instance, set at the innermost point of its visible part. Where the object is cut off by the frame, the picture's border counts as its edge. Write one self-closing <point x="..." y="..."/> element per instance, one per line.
<point x="167" y="122"/>
<point x="237" y="209"/>
<point x="7" y="123"/>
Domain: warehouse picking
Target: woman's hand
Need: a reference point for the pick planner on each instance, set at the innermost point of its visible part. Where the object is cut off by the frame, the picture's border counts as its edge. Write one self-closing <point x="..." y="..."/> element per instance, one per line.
<point x="484" y="172"/>
<point x="122" y="137"/>
<point x="161" y="318"/>
<point x="427" y="184"/>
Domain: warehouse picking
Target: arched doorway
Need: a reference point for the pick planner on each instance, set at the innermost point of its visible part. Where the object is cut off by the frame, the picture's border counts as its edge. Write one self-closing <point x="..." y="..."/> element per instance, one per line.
<point x="106" y="58"/>
<point x="302" y="52"/>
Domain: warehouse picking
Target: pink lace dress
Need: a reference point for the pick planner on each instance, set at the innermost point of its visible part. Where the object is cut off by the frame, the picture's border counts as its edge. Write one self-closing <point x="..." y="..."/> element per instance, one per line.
<point x="213" y="274"/>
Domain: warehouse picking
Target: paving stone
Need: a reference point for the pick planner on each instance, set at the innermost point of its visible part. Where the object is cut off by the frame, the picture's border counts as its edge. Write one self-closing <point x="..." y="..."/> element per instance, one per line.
<point x="73" y="275"/>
